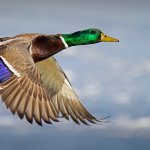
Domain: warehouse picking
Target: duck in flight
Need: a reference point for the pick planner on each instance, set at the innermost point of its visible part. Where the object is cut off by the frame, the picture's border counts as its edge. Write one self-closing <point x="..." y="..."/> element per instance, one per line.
<point x="32" y="84"/>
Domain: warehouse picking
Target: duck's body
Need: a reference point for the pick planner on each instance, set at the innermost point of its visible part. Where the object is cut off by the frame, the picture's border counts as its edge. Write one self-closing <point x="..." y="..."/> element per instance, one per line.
<point x="31" y="81"/>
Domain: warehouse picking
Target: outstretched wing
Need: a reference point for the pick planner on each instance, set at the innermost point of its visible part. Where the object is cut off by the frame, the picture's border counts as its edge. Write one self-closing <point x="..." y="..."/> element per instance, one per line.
<point x="21" y="88"/>
<point x="61" y="92"/>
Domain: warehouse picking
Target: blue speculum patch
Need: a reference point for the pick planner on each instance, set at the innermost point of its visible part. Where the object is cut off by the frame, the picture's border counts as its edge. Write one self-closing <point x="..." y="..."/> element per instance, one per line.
<point x="5" y="73"/>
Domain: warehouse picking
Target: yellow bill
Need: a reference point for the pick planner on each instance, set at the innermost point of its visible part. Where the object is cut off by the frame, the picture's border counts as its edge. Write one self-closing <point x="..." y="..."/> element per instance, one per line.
<point x="106" y="38"/>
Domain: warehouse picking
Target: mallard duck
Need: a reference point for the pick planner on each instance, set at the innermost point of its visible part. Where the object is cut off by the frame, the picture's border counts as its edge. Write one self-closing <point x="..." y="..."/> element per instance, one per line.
<point x="32" y="84"/>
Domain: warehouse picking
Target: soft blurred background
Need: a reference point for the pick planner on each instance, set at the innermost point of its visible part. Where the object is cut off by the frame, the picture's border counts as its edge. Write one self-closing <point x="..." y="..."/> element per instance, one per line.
<point x="110" y="78"/>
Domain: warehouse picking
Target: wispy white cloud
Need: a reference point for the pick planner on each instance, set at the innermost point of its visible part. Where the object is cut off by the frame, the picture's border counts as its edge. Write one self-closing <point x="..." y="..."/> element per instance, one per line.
<point x="113" y="73"/>
<point x="123" y="98"/>
<point x="132" y="124"/>
<point x="121" y="126"/>
<point x="6" y="121"/>
<point x="125" y="126"/>
<point x="89" y="90"/>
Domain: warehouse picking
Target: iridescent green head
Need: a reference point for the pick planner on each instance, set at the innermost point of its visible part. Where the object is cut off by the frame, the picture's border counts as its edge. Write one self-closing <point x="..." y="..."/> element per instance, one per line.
<point x="89" y="36"/>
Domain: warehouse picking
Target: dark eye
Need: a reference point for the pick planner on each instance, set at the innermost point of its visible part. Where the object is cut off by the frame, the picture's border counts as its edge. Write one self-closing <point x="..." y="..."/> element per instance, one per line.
<point x="93" y="32"/>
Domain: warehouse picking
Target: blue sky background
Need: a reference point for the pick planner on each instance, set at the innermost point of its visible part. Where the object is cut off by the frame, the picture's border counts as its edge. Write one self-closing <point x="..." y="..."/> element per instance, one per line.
<point x="110" y="78"/>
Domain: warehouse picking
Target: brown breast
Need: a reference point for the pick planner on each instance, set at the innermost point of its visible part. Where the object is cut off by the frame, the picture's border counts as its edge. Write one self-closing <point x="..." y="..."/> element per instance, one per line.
<point x="44" y="46"/>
